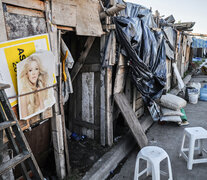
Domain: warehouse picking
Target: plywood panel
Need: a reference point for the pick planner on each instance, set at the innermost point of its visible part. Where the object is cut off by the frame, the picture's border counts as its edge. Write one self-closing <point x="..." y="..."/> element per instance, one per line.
<point x="88" y="22"/>
<point x="64" y="13"/>
<point x="88" y="102"/>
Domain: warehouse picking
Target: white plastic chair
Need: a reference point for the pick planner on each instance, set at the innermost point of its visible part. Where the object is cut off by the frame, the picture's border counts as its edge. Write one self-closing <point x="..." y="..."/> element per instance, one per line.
<point x="193" y="133"/>
<point x="153" y="155"/>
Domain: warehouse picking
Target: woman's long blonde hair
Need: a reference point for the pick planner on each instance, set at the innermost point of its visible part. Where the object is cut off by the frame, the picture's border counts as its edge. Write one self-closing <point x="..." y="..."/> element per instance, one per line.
<point x="27" y="86"/>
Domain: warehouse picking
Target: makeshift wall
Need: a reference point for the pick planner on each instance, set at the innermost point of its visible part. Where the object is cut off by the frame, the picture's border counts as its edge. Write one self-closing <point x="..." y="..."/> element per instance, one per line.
<point x="183" y="51"/>
<point x="84" y="102"/>
<point x="84" y="115"/>
<point x="23" y="22"/>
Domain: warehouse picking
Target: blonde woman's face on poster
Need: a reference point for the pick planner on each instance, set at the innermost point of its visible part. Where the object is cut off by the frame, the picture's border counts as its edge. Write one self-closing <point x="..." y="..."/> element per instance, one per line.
<point x="33" y="72"/>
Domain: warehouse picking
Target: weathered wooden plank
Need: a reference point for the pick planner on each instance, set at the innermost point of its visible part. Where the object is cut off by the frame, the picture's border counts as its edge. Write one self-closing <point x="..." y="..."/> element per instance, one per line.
<point x="3" y="35"/>
<point x="64" y="13"/>
<point x="24" y="11"/>
<point x="88" y="22"/>
<point x="79" y="63"/>
<point x="130" y="117"/>
<point x="139" y="103"/>
<point x="88" y="102"/>
<point x="32" y="4"/>
<point x="120" y="76"/>
<point x="109" y="107"/>
<point x="102" y="95"/>
<point x="56" y="123"/>
<point x="97" y="109"/>
<point x="139" y="112"/>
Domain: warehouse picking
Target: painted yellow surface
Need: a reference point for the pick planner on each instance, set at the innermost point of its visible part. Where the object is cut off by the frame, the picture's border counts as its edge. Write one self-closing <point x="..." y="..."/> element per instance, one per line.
<point x="17" y="50"/>
<point x="16" y="54"/>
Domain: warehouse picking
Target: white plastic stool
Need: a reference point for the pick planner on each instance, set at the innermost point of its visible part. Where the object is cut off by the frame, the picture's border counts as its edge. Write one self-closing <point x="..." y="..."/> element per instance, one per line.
<point x="153" y="155"/>
<point x="193" y="133"/>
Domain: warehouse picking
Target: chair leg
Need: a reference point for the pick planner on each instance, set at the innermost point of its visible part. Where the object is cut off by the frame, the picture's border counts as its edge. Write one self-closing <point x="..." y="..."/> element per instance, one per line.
<point x="136" y="170"/>
<point x="169" y="169"/>
<point x="191" y="153"/>
<point x="149" y="169"/>
<point x="200" y="143"/>
<point x="182" y="145"/>
<point x="156" y="171"/>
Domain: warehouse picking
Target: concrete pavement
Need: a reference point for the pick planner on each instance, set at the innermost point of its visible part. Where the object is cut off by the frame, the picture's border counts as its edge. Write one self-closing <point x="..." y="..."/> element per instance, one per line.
<point x="169" y="137"/>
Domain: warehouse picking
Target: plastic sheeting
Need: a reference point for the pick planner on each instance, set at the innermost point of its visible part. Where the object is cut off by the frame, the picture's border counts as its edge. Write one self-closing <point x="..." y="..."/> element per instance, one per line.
<point x="145" y="50"/>
<point x="199" y="43"/>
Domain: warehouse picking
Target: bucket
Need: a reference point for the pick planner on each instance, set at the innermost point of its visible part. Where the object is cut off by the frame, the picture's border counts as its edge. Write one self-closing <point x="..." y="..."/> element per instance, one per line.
<point x="193" y="97"/>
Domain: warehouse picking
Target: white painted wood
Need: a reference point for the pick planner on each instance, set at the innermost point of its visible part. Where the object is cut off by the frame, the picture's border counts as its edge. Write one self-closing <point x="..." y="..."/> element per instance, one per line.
<point x="88" y="102"/>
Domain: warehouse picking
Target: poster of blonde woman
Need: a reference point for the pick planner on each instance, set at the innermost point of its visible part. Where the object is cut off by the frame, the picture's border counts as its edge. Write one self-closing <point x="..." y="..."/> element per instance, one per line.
<point x="35" y="80"/>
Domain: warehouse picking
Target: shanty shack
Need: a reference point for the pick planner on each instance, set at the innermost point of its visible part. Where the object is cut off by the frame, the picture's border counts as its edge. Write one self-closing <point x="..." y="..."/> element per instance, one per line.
<point x="112" y="59"/>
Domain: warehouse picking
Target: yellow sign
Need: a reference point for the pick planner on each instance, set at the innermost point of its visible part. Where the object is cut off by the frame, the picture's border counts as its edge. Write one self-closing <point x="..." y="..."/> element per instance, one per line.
<point x="16" y="54"/>
<point x="12" y="52"/>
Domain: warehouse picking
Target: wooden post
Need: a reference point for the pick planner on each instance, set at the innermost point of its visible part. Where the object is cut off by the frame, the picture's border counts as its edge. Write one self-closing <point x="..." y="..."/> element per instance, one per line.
<point x="109" y="108"/>
<point x="56" y="120"/>
<point x="62" y="108"/>
<point x="102" y="95"/>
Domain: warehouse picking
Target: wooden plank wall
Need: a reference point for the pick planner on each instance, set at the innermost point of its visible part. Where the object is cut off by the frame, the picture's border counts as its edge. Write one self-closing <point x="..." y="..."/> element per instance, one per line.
<point x="134" y="97"/>
<point x="84" y="105"/>
<point x="27" y="18"/>
<point x="182" y="54"/>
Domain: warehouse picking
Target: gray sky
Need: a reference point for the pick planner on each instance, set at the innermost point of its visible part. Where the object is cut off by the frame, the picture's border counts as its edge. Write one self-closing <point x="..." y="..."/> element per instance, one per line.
<point x="184" y="10"/>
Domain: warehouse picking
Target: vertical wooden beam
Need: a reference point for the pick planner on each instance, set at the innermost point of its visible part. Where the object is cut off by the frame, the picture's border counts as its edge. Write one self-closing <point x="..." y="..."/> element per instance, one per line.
<point x="56" y="120"/>
<point x="109" y="107"/>
<point x="102" y="95"/>
<point x="120" y="76"/>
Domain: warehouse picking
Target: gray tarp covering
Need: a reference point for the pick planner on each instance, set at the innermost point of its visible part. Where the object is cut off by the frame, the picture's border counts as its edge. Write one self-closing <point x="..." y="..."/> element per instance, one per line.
<point x="145" y="50"/>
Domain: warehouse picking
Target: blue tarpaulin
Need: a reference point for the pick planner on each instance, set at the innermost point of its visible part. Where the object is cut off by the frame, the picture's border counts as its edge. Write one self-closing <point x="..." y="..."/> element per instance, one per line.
<point x="199" y="43"/>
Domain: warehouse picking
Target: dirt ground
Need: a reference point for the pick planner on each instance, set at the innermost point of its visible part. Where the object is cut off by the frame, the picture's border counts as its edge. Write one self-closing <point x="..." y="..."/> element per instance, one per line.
<point x="83" y="154"/>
